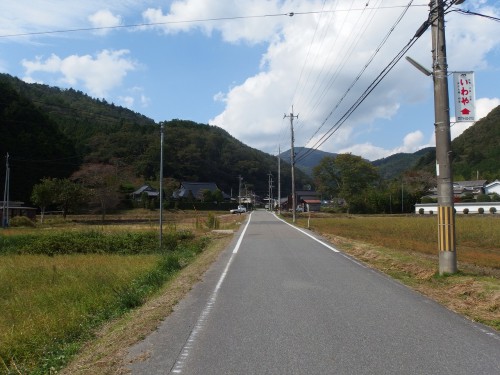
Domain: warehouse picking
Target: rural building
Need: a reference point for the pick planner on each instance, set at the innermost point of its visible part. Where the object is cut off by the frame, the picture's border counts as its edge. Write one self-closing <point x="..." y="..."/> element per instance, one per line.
<point x="145" y="189"/>
<point x="463" y="188"/>
<point x="307" y="200"/>
<point x="195" y="190"/>
<point x="460" y="208"/>
<point x="16" y="208"/>
<point x="493" y="187"/>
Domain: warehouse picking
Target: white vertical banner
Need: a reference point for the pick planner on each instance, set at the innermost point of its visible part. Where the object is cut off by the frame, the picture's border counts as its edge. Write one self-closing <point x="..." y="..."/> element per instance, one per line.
<point x="465" y="96"/>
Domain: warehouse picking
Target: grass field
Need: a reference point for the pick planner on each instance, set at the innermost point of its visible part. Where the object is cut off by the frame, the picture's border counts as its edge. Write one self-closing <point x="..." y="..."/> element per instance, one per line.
<point x="60" y="281"/>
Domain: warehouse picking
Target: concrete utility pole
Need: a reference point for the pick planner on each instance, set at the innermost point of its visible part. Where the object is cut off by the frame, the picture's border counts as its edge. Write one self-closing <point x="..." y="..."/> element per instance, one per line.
<point x="292" y="161"/>
<point x="239" y="189"/>
<point x="279" y="180"/>
<point x="6" y="195"/>
<point x="161" y="183"/>
<point x="446" y="214"/>
<point x="269" y="190"/>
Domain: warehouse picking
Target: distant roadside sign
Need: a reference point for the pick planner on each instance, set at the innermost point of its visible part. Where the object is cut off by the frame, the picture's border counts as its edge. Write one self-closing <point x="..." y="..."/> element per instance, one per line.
<point x="465" y="96"/>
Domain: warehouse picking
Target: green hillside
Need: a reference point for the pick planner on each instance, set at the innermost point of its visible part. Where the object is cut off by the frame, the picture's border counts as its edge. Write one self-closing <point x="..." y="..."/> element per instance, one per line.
<point x="86" y="130"/>
<point x="36" y="146"/>
<point x="394" y="165"/>
<point x="475" y="152"/>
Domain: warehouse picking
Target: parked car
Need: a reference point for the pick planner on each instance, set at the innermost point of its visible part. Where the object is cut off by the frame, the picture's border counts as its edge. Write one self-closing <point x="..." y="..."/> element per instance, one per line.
<point x="241" y="209"/>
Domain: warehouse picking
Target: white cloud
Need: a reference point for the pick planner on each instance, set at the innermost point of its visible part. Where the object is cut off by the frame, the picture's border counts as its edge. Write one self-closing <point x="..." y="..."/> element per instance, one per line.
<point x="312" y="61"/>
<point x="127" y="101"/>
<point x="99" y="74"/>
<point x="183" y="13"/>
<point x="483" y="107"/>
<point x="103" y="19"/>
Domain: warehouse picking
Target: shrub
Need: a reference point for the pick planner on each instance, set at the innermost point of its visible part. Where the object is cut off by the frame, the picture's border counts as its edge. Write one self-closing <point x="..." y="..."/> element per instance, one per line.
<point x="428" y="200"/>
<point x="466" y="211"/>
<point x="213" y="221"/>
<point x="483" y="198"/>
<point x="493" y="210"/>
<point x="431" y="212"/>
<point x="21" y="221"/>
<point x="421" y="211"/>
<point x="480" y="210"/>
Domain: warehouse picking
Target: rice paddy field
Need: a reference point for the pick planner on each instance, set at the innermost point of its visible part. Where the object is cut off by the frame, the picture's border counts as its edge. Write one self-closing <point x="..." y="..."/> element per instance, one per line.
<point x="60" y="281"/>
<point x="477" y="236"/>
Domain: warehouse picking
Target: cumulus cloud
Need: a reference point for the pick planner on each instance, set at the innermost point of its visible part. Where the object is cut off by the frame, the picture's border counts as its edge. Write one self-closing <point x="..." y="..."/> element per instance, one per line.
<point x="103" y="19"/>
<point x="183" y="15"/>
<point x="321" y="80"/>
<point x="483" y="107"/>
<point x="99" y="74"/>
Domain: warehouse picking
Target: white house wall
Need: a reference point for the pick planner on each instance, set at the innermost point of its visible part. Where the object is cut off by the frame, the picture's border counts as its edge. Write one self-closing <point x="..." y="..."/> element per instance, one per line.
<point x="473" y="207"/>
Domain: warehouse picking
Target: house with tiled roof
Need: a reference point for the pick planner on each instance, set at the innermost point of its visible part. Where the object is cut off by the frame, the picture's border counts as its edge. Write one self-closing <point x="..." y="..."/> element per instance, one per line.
<point x="195" y="190"/>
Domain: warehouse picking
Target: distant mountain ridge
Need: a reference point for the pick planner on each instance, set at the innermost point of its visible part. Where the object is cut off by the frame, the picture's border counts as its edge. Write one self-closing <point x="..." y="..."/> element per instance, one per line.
<point x="389" y="167"/>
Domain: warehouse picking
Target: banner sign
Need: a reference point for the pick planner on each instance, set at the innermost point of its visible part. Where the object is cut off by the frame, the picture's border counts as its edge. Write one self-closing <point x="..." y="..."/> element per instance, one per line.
<point x="465" y="96"/>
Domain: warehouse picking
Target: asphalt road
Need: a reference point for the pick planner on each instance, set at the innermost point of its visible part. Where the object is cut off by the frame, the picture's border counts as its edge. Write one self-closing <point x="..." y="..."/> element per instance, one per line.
<point x="279" y="302"/>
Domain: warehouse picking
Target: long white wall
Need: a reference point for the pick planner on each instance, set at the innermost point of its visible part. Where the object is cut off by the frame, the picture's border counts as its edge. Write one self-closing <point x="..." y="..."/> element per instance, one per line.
<point x="473" y="207"/>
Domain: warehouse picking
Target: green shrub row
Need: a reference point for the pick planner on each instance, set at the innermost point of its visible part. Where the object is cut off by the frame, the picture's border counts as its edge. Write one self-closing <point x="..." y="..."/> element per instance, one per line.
<point x="91" y="242"/>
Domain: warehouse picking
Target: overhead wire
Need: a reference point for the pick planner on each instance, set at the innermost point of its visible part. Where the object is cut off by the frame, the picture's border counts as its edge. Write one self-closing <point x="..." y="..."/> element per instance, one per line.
<point x="365" y="94"/>
<point x="469" y="13"/>
<point x="165" y="23"/>
<point x="334" y="76"/>
<point x="362" y="71"/>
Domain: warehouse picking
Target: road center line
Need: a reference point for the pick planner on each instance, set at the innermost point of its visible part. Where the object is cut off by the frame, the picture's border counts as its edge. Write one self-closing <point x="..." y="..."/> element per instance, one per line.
<point x="178" y="366"/>
<point x="309" y="235"/>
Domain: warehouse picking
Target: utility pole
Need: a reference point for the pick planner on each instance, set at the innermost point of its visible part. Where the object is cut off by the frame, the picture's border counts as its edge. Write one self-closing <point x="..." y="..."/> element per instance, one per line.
<point x="239" y="189"/>
<point x="269" y="190"/>
<point x="292" y="161"/>
<point x="446" y="214"/>
<point x="161" y="182"/>
<point x="279" y="180"/>
<point x="6" y="194"/>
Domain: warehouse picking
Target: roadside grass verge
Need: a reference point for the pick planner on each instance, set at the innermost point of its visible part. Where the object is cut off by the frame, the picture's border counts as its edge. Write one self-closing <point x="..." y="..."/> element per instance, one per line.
<point x="405" y="248"/>
<point x="57" y="286"/>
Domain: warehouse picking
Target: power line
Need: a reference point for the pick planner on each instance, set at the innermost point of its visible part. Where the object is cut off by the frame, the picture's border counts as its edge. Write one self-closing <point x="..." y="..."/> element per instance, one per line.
<point x="372" y="86"/>
<point x="469" y="13"/>
<point x="150" y="24"/>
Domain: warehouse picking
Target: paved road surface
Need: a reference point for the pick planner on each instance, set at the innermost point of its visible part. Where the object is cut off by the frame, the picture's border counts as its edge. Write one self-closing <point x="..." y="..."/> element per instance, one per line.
<point x="280" y="302"/>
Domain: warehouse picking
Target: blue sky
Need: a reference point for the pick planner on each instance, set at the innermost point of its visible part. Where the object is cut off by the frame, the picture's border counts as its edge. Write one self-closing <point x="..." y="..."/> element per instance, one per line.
<point x="244" y="64"/>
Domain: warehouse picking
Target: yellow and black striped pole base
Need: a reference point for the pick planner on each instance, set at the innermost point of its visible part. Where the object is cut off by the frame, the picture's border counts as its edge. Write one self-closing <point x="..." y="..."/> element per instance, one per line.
<point x="446" y="240"/>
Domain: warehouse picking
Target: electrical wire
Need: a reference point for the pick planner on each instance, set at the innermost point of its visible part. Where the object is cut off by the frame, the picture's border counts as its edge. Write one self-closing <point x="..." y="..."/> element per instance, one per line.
<point x="357" y="78"/>
<point x="150" y="24"/>
<point x="469" y="13"/>
<point x="370" y="88"/>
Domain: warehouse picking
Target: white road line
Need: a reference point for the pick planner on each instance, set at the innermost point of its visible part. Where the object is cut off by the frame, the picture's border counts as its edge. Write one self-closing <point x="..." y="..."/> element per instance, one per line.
<point x="200" y="323"/>
<point x="309" y="235"/>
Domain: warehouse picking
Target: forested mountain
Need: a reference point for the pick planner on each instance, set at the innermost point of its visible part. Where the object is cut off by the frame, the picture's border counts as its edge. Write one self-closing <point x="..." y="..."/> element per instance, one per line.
<point x="475" y="152"/>
<point x="56" y="131"/>
<point x="392" y="166"/>
<point x="389" y="167"/>
<point x="36" y="146"/>
<point x="310" y="161"/>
